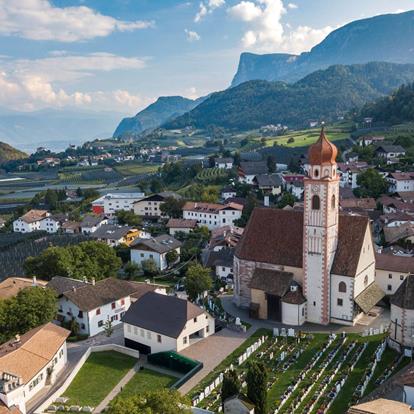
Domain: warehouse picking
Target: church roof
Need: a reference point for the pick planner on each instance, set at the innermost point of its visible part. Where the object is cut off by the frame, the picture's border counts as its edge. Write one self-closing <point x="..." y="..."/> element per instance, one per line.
<point x="274" y="282"/>
<point x="276" y="236"/>
<point x="322" y="151"/>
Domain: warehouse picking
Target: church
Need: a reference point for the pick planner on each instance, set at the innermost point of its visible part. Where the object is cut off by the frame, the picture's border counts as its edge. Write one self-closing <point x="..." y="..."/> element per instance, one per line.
<point x="314" y="265"/>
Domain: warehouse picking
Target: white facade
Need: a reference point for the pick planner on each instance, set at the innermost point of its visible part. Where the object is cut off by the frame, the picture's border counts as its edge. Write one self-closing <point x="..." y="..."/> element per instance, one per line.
<point x="204" y="324"/>
<point x="228" y="194"/>
<point x="213" y="220"/>
<point x="93" y="321"/>
<point x="402" y="326"/>
<point x="50" y="225"/>
<point x="150" y="208"/>
<point x="21" y="226"/>
<point x="349" y="179"/>
<point x="400" y="185"/>
<point x="223" y="272"/>
<point x="90" y="229"/>
<point x="224" y="164"/>
<point x="160" y="259"/>
<point x="122" y="201"/>
<point x="293" y="314"/>
<point x="23" y="393"/>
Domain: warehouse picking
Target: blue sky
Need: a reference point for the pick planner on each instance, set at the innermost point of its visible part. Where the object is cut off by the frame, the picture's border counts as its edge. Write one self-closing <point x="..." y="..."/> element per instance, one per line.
<point x="122" y="54"/>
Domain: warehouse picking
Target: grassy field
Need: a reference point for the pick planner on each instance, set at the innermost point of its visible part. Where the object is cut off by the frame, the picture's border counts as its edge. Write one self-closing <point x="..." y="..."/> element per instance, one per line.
<point x="146" y="380"/>
<point x="98" y="376"/>
<point x="134" y="168"/>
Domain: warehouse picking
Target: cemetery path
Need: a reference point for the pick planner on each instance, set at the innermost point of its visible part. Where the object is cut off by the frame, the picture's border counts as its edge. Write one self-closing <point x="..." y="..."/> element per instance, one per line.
<point x="243" y="314"/>
<point x="211" y="351"/>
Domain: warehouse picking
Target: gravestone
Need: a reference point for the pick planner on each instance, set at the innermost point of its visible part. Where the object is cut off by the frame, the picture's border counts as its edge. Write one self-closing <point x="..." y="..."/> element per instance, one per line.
<point x="291" y="332"/>
<point x="283" y="332"/>
<point x="238" y="322"/>
<point x="275" y="331"/>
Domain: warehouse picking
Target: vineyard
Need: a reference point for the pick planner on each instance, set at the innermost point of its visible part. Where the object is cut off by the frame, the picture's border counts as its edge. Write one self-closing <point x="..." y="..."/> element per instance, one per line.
<point x="211" y="174"/>
<point x="12" y="258"/>
<point x="97" y="176"/>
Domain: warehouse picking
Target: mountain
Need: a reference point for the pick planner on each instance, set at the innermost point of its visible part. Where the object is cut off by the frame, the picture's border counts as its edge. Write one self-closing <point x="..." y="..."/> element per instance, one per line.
<point x="7" y="153"/>
<point x="384" y="38"/>
<point x="394" y="109"/>
<point x="324" y="94"/>
<point x="164" y="109"/>
<point x="55" y="128"/>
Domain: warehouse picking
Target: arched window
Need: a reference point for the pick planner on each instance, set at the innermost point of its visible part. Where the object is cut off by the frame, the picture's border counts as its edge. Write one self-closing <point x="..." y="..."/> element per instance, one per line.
<point x="333" y="201"/>
<point x="342" y="287"/>
<point x="316" y="203"/>
<point x="316" y="172"/>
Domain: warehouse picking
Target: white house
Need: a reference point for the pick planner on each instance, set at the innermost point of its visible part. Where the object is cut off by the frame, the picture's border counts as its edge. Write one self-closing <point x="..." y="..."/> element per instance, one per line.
<point x="157" y="323"/>
<point x="175" y="225"/>
<point x="29" y="363"/>
<point x="400" y="182"/>
<point x="224" y="163"/>
<point x="114" y="235"/>
<point x="155" y="248"/>
<point x="212" y="215"/>
<point x="221" y="261"/>
<point x="91" y="223"/>
<point x="92" y="304"/>
<point x="150" y="206"/>
<point x="120" y="201"/>
<point x="390" y="153"/>
<point x="228" y="192"/>
<point x="348" y="173"/>
<point x="52" y="223"/>
<point x="31" y="221"/>
<point x="249" y="169"/>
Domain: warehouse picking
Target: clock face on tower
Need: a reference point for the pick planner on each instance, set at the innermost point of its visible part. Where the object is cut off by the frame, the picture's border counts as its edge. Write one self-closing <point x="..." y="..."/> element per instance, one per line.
<point x="315" y="189"/>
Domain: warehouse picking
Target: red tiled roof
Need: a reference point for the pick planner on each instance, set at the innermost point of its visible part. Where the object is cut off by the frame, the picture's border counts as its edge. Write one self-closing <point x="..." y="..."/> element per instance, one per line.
<point x="276" y="236"/>
<point x="394" y="263"/>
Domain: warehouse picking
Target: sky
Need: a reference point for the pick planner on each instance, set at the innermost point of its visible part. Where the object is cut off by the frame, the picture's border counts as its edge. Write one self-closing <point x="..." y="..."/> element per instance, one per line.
<point x="120" y="55"/>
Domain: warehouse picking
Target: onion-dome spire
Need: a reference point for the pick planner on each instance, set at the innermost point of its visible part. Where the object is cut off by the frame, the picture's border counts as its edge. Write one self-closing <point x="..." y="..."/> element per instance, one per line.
<point x="322" y="152"/>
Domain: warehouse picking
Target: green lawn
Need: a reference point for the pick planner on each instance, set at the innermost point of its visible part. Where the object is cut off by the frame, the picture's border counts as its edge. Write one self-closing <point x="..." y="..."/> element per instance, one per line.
<point x="147" y="380"/>
<point x="98" y="376"/>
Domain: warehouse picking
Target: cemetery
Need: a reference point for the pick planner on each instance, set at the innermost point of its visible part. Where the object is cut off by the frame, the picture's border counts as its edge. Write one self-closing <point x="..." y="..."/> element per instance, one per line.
<point x="307" y="373"/>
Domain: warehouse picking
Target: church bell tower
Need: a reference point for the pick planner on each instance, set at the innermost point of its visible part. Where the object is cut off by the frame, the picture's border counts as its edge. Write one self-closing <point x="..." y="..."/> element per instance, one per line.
<point x="320" y="233"/>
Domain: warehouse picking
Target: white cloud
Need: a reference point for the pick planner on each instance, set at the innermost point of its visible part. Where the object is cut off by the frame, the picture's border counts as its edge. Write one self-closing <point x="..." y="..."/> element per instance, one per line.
<point x="207" y="7"/>
<point x="40" y="20"/>
<point x="191" y="93"/>
<point x="266" y="32"/>
<point x="33" y="84"/>
<point x="191" y="35"/>
<point x="292" y="6"/>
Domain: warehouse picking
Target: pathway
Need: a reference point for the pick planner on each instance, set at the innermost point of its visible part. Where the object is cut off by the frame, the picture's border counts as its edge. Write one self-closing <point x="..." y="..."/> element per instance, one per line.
<point x="211" y="351"/>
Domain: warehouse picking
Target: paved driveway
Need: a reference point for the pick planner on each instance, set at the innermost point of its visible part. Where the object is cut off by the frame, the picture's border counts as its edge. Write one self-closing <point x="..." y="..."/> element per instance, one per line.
<point x="211" y="351"/>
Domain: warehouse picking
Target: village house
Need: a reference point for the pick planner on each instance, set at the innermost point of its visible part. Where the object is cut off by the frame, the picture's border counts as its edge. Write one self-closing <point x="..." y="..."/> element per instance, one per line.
<point x="390" y="153"/>
<point x="30" y="221"/>
<point x="91" y="305"/>
<point x="212" y="215"/>
<point x="114" y="235"/>
<point x="249" y="169"/>
<point x="349" y="172"/>
<point x="402" y="233"/>
<point x="11" y="286"/>
<point x="113" y="202"/>
<point x="223" y="163"/>
<point x="268" y="183"/>
<point x="401" y="334"/>
<point x="157" y="323"/>
<point x="176" y="225"/>
<point x="91" y="223"/>
<point x="221" y="261"/>
<point x="150" y="207"/>
<point x="314" y="265"/>
<point x="225" y="236"/>
<point x="29" y="363"/>
<point x="156" y="248"/>
<point x="71" y="227"/>
<point x="400" y="182"/>
<point x="392" y="270"/>
<point x="228" y="192"/>
<point x="98" y="206"/>
<point x="370" y="140"/>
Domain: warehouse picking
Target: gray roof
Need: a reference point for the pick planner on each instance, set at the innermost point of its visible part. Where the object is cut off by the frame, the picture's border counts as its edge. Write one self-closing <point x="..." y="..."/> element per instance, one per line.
<point x="254" y="167"/>
<point x="91" y="220"/>
<point x="111" y="232"/>
<point x="166" y="315"/>
<point x="369" y="297"/>
<point x="223" y="257"/>
<point x="404" y="296"/>
<point x="62" y="284"/>
<point x="223" y="160"/>
<point x="274" y="282"/>
<point x="390" y="148"/>
<point x="268" y="180"/>
<point x="160" y="244"/>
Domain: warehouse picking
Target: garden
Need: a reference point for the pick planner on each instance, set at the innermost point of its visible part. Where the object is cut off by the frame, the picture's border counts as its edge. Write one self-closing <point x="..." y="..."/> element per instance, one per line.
<point x="307" y="373"/>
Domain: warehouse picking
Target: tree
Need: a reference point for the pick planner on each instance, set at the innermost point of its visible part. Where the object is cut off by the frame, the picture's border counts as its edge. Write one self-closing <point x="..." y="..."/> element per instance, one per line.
<point x="108" y="328"/>
<point x="172" y="257"/>
<point x="162" y="401"/>
<point x="197" y="280"/>
<point x="271" y="164"/>
<point x="31" y="307"/>
<point x="172" y="207"/>
<point x="371" y="184"/>
<point x="155" y="186"/>
<point x="257" y="386"/>
<point x="131" y="270"/>
<point x="76" y="261"/>
<point x="230" y="386"/>
<point x="128" y="217"/>
<point x="74" y="327"/>
<point x="149" y="267"/>
<point x="236" y="159"/>
<point x="287" y="199"/>
<point x="251" y="203"/>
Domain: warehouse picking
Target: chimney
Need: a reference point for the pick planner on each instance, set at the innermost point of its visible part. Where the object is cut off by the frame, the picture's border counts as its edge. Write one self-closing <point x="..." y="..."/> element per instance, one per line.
<point x="34" y="281"/>
<point x="93" y="281"/>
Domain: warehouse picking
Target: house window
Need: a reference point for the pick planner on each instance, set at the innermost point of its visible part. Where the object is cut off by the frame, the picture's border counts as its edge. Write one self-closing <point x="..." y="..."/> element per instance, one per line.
<point x="142" y="332"/>
<point x="389" y="287"/>
<point x="114" y="318"/>
<point x="303" y="311"/>
<point x="195" y="319"/>
<point x="340" y="302"/>
<point x="142" y="254"/>
<point x="316" y="202"/>
<point x="113" y="305"/>
<point x="207" y="328"/>
<point x="128" y="327"/>
<point x="100" y="323"/>
<point x="98" y="311"/>
<point x="366" y="280"/>
<point x="80" y="314"/>
<point x="122" y="302"/>
<point x="333" y="201"/>
<point x="401" y="277"/>
<point x="314" y="303"/>
<point x="82" y="326"/>
<point x="342" y="287"/>
<point x="148" y="335"/>
<point x="389" y="276"/>
<point x="159" y="338"/>
<point x="184" y="340"/>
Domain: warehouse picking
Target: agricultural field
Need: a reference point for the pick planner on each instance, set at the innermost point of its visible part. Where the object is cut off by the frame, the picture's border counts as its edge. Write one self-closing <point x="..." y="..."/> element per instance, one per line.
<point x="210" y="174"/>
<point x="135" y="168"/>
<point x="310" y="373"/>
